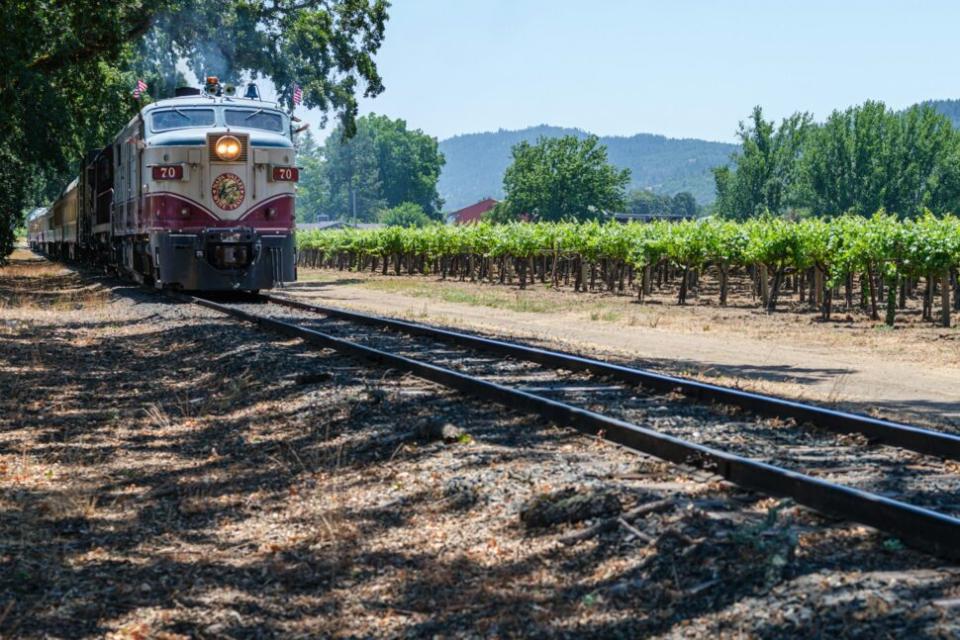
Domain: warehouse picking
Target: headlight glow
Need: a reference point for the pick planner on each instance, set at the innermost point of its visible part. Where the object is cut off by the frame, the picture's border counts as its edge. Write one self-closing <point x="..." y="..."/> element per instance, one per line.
<point x="228" y="148"/>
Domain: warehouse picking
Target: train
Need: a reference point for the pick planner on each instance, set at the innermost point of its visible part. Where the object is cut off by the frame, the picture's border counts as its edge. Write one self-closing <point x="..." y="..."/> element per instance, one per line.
<point x="196" y="193"/>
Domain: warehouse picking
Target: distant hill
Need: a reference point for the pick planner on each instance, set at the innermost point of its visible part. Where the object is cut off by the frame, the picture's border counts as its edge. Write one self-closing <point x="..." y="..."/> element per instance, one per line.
<point x="949" y="108"/>
<point x="476" y="162"/>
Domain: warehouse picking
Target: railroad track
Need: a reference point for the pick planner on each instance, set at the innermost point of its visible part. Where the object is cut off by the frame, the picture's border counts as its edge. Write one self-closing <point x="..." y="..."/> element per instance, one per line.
<point x="894" y="477"/>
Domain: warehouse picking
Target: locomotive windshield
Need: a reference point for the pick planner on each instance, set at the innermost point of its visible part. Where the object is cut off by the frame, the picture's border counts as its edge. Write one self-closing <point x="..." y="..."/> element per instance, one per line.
<point x="167" y="119"/>
<point x="253" y="119"/>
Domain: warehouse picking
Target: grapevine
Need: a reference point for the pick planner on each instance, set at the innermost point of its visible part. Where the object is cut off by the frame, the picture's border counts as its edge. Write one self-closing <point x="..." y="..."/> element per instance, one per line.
<point x="880" y="254"/>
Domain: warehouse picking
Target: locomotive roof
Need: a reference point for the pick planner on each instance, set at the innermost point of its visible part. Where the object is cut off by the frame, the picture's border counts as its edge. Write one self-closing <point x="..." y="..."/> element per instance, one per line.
<point x="208" y="101"/>
<point x="196" y="135"/>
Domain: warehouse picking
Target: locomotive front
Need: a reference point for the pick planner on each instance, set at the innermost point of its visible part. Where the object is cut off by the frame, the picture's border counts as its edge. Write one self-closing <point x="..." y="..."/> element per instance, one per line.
<point x="217" y="209"/>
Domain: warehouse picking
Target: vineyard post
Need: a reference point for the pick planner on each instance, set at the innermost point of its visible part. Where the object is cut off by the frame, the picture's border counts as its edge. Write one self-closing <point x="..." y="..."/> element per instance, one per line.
<point x="553" y="266"/>
<point x="724" y="279"/>
<point x="817" y="295"/>
<point x="684" y="280"/>
<point x="774" y="291"/>
<point x="956" y="290"/>
<point x="872" y="282"/>
<point x="945" y="297"/>
<point x="764" y="285"/>
<point x="891" y="300"/>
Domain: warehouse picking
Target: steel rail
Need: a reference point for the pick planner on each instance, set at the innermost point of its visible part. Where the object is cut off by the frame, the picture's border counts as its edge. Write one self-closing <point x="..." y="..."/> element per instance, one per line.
<point x="896" y="434"/>
<point x="917" y="526"/>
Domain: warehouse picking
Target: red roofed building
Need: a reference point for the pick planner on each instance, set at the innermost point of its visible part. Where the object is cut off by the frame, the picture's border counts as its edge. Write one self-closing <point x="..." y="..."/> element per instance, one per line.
<point x="473" y="213"/>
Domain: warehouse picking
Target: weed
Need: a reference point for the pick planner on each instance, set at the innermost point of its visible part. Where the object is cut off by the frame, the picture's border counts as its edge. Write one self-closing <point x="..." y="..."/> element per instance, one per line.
<point x="774" y="545"/>
<point x="157" y="416"/>
<point x="892" y="544"/>
<point x="590" y="599"/>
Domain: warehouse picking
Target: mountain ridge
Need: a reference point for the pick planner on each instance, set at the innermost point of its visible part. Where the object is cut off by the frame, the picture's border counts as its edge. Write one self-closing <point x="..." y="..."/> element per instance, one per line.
<point x="948" y="107"/>
<point x="476" y="162"/>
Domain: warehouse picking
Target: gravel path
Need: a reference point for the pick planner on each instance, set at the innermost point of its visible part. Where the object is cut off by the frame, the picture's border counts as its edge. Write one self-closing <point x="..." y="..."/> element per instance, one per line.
<point x="169" y="473"/>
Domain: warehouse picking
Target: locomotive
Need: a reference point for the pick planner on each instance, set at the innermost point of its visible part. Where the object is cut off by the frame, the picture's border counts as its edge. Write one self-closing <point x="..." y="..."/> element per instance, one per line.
<point x="197" y="192"/>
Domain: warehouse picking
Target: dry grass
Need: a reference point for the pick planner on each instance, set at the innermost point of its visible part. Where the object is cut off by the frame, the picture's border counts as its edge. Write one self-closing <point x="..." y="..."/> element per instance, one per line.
<point x="31" y="283"/>
<point x="913" y="339"/>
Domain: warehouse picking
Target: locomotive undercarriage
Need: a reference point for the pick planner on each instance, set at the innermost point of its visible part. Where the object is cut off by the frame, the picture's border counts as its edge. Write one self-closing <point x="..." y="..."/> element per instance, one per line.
<point x="226" y="259"/>
<point x="231" y="259"/>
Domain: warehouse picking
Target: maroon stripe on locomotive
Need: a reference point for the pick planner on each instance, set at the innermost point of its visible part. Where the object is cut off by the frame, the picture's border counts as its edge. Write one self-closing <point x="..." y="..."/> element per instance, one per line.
<point x="165" y="211"/>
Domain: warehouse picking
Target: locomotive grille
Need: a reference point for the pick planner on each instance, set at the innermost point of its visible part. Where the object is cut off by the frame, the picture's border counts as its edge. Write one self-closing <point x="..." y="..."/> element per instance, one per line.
<point x="212" y="147"/>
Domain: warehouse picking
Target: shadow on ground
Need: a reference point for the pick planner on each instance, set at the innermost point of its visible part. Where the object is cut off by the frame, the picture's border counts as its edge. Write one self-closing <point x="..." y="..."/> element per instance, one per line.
<point x="162" y="472"/>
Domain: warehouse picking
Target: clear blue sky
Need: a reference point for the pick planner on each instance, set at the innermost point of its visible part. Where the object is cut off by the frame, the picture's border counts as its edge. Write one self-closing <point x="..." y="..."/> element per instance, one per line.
<point x="684" y="68"/>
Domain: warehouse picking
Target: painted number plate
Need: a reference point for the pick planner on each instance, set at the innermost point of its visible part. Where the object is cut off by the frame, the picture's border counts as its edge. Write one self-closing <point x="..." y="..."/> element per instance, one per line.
<point x="286" y="174"/>
<point x="169" y="172"/>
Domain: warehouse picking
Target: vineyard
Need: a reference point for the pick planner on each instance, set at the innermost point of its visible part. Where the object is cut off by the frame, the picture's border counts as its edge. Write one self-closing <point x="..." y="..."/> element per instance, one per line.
<point x="878" y="262"/>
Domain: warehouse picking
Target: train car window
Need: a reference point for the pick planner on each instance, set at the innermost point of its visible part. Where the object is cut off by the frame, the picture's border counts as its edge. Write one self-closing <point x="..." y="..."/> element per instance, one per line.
<point x="168" y="119"/>
<point x="254" y="119"/>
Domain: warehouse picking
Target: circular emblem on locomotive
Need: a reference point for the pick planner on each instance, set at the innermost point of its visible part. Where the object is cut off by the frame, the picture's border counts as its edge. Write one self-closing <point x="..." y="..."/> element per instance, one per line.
<point x="228" y="191"/>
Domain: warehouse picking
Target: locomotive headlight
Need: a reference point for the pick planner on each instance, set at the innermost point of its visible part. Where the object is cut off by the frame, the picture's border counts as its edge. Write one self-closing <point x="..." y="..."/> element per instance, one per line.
<point x="228" y="148"/>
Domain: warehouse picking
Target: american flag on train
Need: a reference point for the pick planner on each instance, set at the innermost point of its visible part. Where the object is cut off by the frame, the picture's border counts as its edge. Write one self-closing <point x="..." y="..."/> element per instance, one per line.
<point x="297" y="94"/>
<point x="141" y="88"/>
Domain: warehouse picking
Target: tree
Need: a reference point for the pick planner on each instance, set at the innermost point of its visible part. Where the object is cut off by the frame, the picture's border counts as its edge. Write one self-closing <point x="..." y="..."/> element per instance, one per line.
<point x="312" y="189"/>
<point x="646" y="202"/>
<point x="382" y="166"/>
<point x="563" y="179"/>
<point x="352" y="173"/>
<point x="407" y="214"/>
<point x="67" y="70"/>
<point x="869" y="157"/>
<point x="860" y="160"/>
<point x="324" y="46"/>
<point x="50" y="112"/>
<point x="410" y="163"/>
<point x="766" y="175"/>
<point x="684" y="204"/>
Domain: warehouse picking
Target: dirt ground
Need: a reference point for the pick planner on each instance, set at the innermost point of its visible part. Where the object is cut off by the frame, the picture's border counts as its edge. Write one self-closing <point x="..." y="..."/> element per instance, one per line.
<point x="168" y="473"/>
<point x="910" y="373"/>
